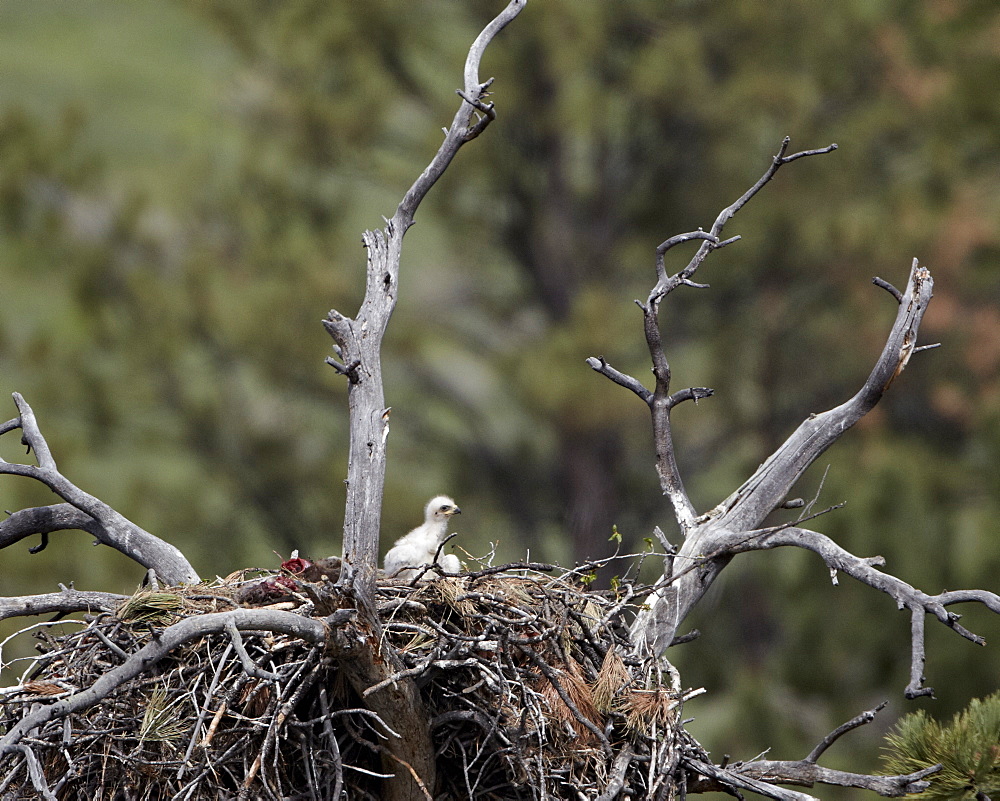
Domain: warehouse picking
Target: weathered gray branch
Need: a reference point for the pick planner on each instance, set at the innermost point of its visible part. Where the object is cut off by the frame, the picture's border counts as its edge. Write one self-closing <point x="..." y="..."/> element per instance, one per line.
<point x="809" y="773"/>
<point x="806" y="772"/>
<point x="728" y="530"/>
<point x="109" y="527"/>
<point x="600" y="364"/>
<point x="65" y="601"/>
<point x="765" y="775"/>
<point x="44" y="520"/>
<point x="716" y="537"/>
<point x="770" y="485"/>
<point x="865" y="570"/>
<point x="725" y="779"/>
<point x="665" y="285"/>
<point x="857" y="721"/>
<point x="359" y="340"/>
<point x="660" y="401"/>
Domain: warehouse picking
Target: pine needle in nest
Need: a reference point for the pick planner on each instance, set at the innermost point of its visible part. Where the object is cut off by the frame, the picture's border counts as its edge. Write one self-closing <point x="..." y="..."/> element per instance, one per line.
<point x="154" y="608"/>
<point x="647" y="710"/>
<point x="163" y="721"/>
<point x="507" y="664"/>
<point x="612" y="681"/>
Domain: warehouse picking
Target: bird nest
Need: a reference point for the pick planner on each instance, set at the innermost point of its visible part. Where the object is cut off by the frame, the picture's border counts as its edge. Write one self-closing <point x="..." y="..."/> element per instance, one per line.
<point x="526" y="679"/>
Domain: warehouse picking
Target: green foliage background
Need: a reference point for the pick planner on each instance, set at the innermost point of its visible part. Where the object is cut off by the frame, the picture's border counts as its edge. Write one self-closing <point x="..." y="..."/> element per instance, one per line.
<point x="182" y="192"/>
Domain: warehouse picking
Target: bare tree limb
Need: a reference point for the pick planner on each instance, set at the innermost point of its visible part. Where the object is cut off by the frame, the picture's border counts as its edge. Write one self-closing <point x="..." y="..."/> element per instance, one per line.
<point x="725" y="779"/>
<point x="64" y="602"/>
<point x="888" y="288"/>
<point x="691" y="393"/>
<point x="713" y="539"/>
<point x="865" y="570"/>
<point x="44" y="520"/>
<point x="660" y="401"/>
<point x="31" y="436"/>
<point x="768" y="487"/>
<point x="712" y="239"/>
<point x="600" y="365"/>
<point x="111" y="528"/>
<point x="859" y="720"/>
<point x="359" y="340"/>
<point x="765" y="775"/>
<point x="809" y="773"/>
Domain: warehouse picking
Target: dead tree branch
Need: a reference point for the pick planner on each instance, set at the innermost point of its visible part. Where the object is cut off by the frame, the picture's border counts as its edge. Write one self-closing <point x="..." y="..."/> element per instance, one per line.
<point x="865" y="570"/>
<point x="107" y="525"/>
<point x="359" y="340"/>
<point x="713" y="539"/>
<point x="762" y="776"/>
<point x="806" y="772"/>
<point x="660" y="401"/>
<point x="858" y="720"/>
<point x="65" y="601"/>
<point x="730" y="528"/>
<point x="772" y="482"/>
<point x="44" y="520"/>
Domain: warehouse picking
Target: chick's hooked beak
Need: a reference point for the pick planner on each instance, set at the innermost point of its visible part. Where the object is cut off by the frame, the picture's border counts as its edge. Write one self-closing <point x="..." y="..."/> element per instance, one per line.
<point x="454" y="510"/>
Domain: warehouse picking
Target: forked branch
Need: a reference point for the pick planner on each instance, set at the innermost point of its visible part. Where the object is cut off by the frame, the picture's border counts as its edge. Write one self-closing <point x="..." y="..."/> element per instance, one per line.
<point x="866" y="571"/>
<point x="659" y="400"/>
<point x="763" y="776"/>
<point x="711" y="540"/>
<point x="712" y="238"/>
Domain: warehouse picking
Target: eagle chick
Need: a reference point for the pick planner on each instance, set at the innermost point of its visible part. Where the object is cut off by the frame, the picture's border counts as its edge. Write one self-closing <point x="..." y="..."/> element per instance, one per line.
<point x="420" y="546"/>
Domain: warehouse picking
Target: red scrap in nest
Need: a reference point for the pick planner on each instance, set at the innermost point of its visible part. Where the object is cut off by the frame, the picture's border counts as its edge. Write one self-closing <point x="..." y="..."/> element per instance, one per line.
<point x="327" y="569"/>
<point x="296" y="564"/>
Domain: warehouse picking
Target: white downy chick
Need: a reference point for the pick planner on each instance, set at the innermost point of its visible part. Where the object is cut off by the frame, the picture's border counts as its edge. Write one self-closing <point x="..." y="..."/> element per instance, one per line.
<point x="420" y="546"/>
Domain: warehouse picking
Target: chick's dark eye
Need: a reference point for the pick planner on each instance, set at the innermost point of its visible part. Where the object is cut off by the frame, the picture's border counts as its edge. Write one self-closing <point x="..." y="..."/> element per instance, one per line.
<point x="443" y="509"/>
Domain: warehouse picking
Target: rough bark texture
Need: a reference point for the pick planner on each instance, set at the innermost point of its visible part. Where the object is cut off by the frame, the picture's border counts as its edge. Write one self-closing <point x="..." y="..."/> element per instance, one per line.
<point x="359" y="344"/>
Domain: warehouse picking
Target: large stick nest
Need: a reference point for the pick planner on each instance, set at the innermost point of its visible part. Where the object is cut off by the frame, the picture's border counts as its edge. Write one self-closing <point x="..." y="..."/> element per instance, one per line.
<point x="526" y="677"/>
